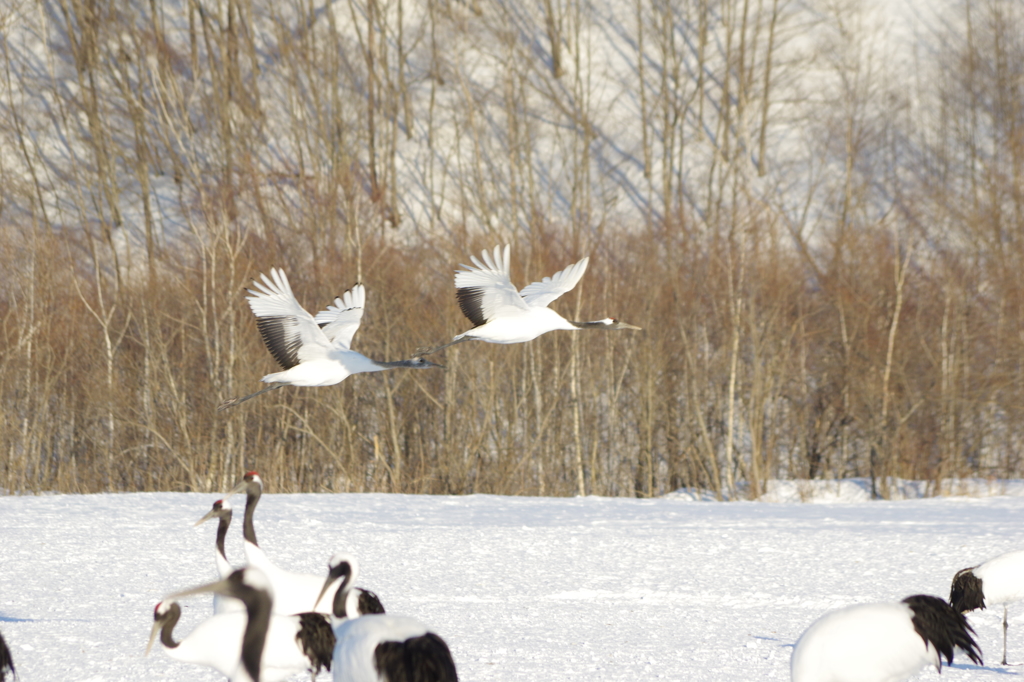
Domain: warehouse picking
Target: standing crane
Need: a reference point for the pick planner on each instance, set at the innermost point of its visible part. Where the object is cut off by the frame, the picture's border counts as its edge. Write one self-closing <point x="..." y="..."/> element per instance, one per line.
<point x="312" y="351"/>
<point x="236" y="644"/>
<point x="997" y="581"/>
<point x="222" y="510"/>
<point x="376" y="647"/>
<point x="500" y="314"/>
<point x="293" y="592"/>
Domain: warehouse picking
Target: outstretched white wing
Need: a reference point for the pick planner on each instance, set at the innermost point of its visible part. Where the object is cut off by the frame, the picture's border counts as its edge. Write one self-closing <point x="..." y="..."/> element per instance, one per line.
<point x="341" y="320"/>
<point x="540" y="294"/>
<point x="289" y="332"/>
<point x="485" y="289"/>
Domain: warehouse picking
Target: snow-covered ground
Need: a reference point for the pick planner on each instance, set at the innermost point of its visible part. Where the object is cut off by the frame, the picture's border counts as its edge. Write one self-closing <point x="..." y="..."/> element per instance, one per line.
<point x="522" y="588"/>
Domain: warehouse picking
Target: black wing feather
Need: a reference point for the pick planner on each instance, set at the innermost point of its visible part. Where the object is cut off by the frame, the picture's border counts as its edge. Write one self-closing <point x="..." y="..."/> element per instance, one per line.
<point x="281" y="339"/>
<point x="418" y="659"/>
<point x="471" y="302"/>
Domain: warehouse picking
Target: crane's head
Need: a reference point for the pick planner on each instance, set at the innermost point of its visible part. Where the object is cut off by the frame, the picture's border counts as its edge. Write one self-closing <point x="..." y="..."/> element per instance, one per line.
<point x="414" y="363"/>
<point x="606" y="323"/>
<point x="250" y="484"/>
<point x="221" y="509"/>
<point x="166" y="612"/>
<point x="341" y="567"/>
<point x="161" y="610"/>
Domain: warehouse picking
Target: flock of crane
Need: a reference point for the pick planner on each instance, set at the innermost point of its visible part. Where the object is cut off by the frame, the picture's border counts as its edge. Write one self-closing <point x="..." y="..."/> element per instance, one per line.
<point x="271" y="624"/>
<point x="889" y="642"/>
<point x="316" y="350"/>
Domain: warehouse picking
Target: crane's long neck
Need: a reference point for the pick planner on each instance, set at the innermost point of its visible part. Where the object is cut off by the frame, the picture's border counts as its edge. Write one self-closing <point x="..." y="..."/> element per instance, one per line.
<point x="381" y="365"/>
<point x="252" y="498"/>
<point x="222" y="531"/>
<point x="344" y="607"/>
<point x="258" y="605"/>
<point x="167" y="629"/>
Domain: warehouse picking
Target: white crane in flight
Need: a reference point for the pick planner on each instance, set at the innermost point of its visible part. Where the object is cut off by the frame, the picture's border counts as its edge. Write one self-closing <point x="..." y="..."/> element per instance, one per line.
<point x="501" y="314"/>
<point x="313" y="351"/>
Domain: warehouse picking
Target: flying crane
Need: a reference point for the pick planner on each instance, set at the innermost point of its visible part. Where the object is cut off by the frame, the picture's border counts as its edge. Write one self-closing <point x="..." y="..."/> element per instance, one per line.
<point x="500" y="314"/>
<point x="312" y="351"/>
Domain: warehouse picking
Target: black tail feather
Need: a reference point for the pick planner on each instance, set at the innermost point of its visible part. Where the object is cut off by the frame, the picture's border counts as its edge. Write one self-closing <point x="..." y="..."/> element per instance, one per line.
<point x="6" y="662"/>
<point x="418" y="659"/>
<point x="317" y="640"/>
<point x="966" y="592"/>
<point x="369" y="602"/>
<point x="942" y="627"/>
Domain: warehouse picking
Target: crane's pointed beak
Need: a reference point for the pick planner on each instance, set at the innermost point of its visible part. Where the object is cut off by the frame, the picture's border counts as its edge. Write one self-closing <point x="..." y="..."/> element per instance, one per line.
<point x="623" y="325"/>
<point x="240" y="488"/>
<point x="222" y="587"/>
<point x="152" y="636"/>
<point x="323" y="591"/>
<point x="209" y="515"/>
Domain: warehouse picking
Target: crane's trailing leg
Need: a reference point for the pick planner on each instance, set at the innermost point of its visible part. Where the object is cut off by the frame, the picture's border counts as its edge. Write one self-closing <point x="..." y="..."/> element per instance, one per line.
<point x="420" y="352"/>
<point x="235" y="401"/>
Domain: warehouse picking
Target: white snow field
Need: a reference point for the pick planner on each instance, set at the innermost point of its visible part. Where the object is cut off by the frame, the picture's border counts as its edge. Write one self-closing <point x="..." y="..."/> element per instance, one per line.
<point x="532" y="589"/>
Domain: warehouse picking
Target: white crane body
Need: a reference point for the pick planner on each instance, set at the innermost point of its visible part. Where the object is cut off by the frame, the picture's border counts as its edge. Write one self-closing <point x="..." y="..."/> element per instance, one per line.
<point x="211" y="643"/>
<point x="1002" y="578"/>
<point x="357" y="641"/>
<point x="825" y="654"/>
<point x="293" y="592"/>
<point x="518" y="325"/>
<point x="334" y="368"/>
